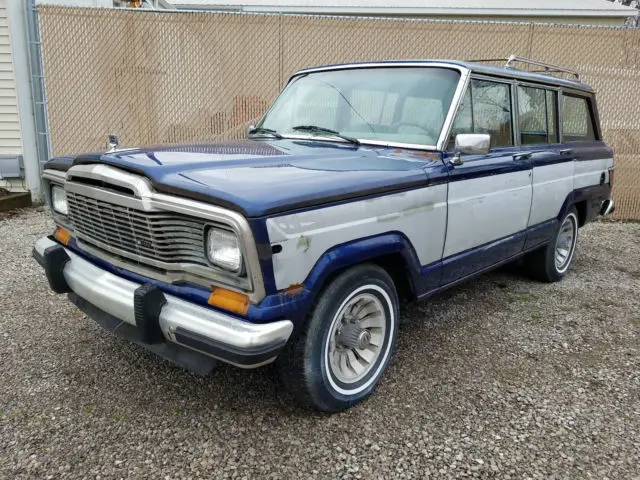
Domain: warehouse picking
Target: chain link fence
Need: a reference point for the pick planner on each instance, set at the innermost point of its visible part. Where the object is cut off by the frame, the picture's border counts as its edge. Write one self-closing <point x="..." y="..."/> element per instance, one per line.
<point x="165" y="77"/>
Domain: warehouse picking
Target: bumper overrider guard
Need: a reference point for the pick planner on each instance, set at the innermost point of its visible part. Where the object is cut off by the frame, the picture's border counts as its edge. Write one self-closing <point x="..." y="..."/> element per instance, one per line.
<point x="180" y="331"/>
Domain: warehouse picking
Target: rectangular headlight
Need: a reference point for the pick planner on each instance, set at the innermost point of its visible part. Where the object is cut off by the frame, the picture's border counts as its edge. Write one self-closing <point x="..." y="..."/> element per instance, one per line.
<point x="223" y="249"/>
<point x="59" y="200"/>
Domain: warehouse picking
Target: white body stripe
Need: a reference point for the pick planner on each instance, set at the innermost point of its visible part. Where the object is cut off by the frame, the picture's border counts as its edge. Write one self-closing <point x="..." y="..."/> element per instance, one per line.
<point x="487" y="208"/>
<point x="419" y="214"/>
<point x="587" y="173"/>
<point x="551" y="185"/>
<point x="481" y="210"/>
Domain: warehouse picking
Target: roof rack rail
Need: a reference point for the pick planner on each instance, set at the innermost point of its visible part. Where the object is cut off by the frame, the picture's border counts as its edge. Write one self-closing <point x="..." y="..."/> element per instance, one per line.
<point x="546" y="67"/>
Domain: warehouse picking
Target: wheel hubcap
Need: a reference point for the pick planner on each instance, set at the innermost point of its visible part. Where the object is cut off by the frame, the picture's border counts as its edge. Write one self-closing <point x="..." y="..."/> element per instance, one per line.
<point x="356" y="338"/>
<point x="564" y="243"/>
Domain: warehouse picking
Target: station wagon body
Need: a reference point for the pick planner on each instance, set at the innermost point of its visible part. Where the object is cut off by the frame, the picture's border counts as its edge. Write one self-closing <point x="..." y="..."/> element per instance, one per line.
<point x="362" y="184"/>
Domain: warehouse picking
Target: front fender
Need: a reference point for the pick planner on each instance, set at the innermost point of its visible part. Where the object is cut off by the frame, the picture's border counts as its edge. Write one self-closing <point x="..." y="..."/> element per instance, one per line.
<point x="295" y="302"/>
<point x="362" y="250"/>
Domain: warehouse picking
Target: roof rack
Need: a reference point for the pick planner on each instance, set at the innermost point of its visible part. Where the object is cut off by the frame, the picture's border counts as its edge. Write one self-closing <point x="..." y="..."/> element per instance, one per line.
<point x="545" y="67"/>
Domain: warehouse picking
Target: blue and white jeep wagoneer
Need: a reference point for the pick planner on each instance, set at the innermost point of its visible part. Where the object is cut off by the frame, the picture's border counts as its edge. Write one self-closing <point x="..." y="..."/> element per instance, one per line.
<point x="362" y="184"/>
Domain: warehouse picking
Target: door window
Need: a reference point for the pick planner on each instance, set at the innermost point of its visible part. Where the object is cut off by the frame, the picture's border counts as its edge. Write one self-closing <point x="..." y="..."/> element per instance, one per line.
<point x="577" y="124"/>
<point x="536" y="116"/>
<point x="486" y="108"/>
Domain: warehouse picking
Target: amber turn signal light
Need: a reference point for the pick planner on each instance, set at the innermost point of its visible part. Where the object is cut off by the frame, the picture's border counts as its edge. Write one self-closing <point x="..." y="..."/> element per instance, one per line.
<point x="232" y="301"/>
<point x="63" y="236"/>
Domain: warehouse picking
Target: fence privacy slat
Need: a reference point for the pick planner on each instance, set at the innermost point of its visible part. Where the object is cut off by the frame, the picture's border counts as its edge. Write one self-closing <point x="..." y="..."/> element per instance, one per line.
<point x="170" y="77"/>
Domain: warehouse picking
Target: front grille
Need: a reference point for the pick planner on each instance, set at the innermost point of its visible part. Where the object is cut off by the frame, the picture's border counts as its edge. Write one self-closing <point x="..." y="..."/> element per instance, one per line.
<point x="161" y="236"/>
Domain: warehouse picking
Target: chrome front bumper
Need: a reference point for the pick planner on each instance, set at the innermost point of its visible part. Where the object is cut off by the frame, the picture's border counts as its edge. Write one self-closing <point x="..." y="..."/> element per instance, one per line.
<point x="174" y="320"/>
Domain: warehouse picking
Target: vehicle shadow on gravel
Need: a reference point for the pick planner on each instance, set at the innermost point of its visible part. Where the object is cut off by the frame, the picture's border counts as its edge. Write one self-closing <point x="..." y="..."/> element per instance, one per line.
<point x="429" y="330"/>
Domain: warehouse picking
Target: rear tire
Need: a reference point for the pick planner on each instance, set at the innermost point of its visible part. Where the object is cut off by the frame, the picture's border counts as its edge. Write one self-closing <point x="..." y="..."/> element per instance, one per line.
<point x="551" y="262"/>
<point x="336" y="359"/>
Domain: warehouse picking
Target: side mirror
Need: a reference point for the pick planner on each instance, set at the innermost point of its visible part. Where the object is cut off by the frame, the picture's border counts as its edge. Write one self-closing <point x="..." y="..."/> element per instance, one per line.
<point x="471" y="143"/>
<point x="250" y="129"/>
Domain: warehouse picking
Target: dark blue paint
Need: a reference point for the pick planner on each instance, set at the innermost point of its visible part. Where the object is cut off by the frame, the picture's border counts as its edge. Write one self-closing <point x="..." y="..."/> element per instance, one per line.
<point x="540" y="234"/>
<point x="588" y="150"/>
<point x="545" y="155"/>
<point x="497" y="162"/>
<point x="474" y="274"/>
<point x="362" y="250"/>
<point x="465" y="263"/>
<point x="260" y="176"/>
<point x="261" y="237"/>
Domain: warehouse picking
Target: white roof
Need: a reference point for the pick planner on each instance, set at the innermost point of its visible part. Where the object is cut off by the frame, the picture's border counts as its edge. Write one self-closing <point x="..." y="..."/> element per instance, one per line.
<point x="525" y="8"/>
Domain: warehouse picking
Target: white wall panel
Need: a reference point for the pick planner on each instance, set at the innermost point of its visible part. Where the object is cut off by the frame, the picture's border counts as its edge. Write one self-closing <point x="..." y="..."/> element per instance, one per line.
<point x="10" y="135"/>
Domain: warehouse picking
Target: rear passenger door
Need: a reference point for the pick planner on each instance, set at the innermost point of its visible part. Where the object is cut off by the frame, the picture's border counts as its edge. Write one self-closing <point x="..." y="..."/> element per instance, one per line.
<point x="553" y="165"/>
<point x="581" y="137"/>
<point x="489" y="197"/>
<point x="573" y="160"/>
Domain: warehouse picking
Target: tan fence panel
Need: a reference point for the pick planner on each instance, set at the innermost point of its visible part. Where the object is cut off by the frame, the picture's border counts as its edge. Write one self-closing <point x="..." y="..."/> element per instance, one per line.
<point x="167" y="77"/>
<point x="152" y="77"/>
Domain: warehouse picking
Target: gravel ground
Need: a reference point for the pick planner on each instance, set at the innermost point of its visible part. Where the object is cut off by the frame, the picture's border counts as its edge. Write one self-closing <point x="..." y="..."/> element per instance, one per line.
<point x="501" y="377"/>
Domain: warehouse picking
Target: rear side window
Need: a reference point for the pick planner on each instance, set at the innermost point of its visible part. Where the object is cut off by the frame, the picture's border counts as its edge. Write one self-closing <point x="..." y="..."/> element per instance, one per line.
<point x="486" y="108"/>
<point x="577" y="123"/>
<point x="537" y="116"/>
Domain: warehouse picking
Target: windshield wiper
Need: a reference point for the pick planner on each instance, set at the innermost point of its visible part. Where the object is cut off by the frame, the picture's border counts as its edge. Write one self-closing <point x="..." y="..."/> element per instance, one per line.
<point x="262" y="130"/>
<point x="333" y="133"/>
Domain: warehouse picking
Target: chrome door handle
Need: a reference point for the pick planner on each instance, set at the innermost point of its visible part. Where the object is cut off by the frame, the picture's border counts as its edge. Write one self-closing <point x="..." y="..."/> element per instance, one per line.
<point x="522" y="156"/>
<point x="566" y="151"/>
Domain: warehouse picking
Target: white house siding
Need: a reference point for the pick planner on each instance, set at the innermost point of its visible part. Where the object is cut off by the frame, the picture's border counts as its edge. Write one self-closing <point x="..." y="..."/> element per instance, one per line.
<point x="10" y="139"/>
<point x="585" y="12"/>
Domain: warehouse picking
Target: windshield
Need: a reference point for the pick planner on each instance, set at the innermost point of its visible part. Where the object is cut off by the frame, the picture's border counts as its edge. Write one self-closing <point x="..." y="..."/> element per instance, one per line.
<point x="396" y="105"/>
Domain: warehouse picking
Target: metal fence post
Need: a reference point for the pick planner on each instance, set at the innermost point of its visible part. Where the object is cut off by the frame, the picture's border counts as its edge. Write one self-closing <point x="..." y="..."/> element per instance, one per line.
<point x="38" y="89"/>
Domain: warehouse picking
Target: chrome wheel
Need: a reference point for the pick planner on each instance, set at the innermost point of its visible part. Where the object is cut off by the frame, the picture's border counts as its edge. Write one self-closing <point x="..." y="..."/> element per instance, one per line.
<point x="357" y="338"/>
<point x="565" y="243"/>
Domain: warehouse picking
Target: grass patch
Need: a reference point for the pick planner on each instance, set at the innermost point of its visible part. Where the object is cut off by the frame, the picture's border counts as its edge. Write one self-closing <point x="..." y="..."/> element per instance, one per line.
<point x="529" y="297"/>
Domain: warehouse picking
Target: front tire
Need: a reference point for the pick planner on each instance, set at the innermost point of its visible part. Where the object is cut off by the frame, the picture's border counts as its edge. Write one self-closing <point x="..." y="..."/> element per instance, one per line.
<point x="551" y="262"/>
<point x="338" y="356"/>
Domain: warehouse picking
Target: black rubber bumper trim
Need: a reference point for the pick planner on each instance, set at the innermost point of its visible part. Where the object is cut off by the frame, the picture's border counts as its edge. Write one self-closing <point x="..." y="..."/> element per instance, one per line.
<point x="53" y="260"/>
<point x="184" y="357"/>
<point x="245" y="357"/>
<point x="148" y="301"/>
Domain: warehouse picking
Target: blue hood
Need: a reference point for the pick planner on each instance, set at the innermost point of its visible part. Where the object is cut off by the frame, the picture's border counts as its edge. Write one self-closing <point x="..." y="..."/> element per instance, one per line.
<point x="258" y="177"/>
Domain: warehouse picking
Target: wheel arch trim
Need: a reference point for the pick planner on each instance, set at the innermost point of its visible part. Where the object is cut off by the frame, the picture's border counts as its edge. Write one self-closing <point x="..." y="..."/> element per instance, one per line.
<point x="363" y="250"/>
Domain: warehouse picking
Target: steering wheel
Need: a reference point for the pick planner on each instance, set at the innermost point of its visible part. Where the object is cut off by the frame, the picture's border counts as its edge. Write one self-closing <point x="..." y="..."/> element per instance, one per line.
<point x="428" y="131"/>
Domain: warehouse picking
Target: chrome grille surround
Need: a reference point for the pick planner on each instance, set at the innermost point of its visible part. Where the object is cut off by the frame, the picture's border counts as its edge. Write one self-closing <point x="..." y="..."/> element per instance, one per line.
<point x="152" y="234"/>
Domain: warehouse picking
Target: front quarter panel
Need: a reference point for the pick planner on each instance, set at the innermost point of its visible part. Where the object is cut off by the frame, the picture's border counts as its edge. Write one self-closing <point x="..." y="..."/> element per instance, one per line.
<point x="418" y="214"/>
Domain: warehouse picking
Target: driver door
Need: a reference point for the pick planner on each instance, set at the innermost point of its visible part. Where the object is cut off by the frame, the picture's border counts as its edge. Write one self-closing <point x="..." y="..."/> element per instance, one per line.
<point x="489" y="196"/>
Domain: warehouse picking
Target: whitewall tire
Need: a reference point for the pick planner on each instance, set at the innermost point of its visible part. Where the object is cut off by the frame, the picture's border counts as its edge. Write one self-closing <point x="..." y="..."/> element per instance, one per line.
<point x="336" y="359"/>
